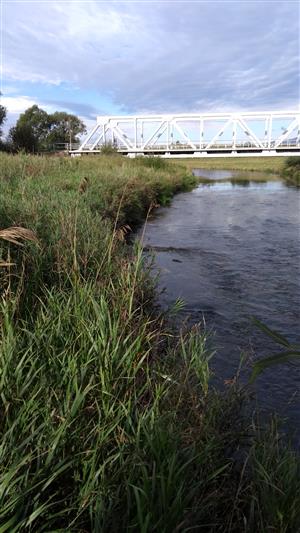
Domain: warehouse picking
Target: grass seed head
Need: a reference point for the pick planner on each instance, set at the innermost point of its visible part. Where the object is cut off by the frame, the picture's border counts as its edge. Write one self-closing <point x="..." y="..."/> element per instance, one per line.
<point x="18" y="235"/>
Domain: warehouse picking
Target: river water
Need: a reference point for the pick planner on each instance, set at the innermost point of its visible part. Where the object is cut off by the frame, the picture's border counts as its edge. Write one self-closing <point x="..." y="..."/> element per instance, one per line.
<point x="232" y="251"/>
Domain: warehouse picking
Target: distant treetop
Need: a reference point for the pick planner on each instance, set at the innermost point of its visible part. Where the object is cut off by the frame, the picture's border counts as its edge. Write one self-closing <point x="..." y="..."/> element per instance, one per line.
<point x="37" y="131"/>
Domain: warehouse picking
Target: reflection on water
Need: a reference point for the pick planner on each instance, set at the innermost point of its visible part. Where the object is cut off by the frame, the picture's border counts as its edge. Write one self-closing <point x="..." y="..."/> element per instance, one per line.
<point x="233" y="252"/>
<point x="213" y="174"/>
<point x="230" y="175"/>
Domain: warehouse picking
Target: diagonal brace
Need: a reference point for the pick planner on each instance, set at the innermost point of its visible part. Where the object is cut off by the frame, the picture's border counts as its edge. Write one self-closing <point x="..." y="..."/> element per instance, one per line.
<point x="180" y="130"/>
<point x="220" y="132"/>
<point x="285" y="135"/>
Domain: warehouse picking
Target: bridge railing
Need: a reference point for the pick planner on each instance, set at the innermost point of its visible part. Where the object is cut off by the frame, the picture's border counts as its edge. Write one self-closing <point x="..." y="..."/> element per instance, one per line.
<point x="227" y="145"/>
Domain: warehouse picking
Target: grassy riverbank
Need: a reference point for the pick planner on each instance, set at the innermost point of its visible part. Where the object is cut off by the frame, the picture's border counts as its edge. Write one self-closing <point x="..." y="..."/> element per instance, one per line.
<point x="108" y="420"/>
<point x="271" y="165"/>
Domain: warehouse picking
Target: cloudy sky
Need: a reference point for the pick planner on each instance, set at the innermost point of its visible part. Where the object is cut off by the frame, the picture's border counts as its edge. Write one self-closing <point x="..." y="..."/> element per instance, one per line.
<point x="105" y="57"/>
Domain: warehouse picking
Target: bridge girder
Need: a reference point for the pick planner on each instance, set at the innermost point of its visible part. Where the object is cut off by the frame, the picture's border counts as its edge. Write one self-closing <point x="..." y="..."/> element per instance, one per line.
<point x="197" y="133"/>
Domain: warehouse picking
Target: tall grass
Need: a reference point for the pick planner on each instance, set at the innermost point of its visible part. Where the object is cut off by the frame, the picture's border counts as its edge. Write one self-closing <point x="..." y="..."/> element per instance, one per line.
<point x="108" y="420"/>
<point x="71" y="205"/>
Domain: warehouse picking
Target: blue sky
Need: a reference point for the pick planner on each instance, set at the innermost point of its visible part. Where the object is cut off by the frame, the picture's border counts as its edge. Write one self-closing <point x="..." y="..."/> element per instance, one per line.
<point x="100" y="58"/>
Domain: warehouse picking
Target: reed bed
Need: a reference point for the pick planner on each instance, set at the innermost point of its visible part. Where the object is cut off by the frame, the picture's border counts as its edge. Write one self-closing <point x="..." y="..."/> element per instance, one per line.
<point x="108" y="420"/>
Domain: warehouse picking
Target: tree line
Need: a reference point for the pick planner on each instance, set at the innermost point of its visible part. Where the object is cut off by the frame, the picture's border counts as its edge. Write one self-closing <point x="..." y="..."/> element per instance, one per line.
<point x="38" y="131"/>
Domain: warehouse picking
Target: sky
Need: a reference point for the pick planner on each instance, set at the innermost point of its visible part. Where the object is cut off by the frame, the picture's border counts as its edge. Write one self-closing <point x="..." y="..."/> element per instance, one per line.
<point x="109" y="58"/>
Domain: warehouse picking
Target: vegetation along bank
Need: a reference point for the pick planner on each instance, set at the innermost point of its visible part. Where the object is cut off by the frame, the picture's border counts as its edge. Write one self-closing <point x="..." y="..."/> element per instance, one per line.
<point x="108" y="420"/>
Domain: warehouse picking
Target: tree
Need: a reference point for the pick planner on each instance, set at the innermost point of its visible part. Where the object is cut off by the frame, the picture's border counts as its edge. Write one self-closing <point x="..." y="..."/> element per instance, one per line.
<point x="3" y="112"/>
<point x="64" y="128"/>
<point x="35" y="122"/>
<point x="36" y="130"/>
<point x="2" y="117"/>
<point x="22" y="137"/>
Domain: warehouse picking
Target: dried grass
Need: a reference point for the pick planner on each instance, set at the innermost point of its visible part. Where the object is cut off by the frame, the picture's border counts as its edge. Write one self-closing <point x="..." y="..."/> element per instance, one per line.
<point x="17" y="235"/>
<point x="6" y="264"/>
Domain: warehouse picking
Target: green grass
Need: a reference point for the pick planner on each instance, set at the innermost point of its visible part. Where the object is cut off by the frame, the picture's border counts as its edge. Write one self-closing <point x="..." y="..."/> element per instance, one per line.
<point x="271" y="165"/>
<point x="108" y="420"/>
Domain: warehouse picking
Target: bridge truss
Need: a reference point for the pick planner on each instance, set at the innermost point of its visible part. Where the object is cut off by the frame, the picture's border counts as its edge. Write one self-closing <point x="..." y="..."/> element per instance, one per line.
<point x="261" y="133"/>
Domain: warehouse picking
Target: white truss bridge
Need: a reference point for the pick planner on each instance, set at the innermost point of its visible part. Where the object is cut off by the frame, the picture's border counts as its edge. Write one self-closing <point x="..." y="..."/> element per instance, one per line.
<point x="194" y="135"/>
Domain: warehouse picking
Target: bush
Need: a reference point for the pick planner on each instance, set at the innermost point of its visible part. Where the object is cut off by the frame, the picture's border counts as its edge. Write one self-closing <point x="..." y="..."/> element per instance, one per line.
<point x="291" y="170"/>
<point x="109" y="149"/>
<point x="153" y="162"/>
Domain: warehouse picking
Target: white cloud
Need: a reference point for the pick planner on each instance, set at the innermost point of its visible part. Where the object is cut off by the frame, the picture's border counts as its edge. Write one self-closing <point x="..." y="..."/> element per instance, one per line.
<point x="159" y="56"/>
<point x="18" y="104"/>
<point x="86" y="22"/>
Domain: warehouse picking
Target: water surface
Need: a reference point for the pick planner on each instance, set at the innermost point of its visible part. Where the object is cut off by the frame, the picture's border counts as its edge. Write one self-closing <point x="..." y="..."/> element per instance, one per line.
<point x="232" y="252"/>
<point x="230" y="174"/>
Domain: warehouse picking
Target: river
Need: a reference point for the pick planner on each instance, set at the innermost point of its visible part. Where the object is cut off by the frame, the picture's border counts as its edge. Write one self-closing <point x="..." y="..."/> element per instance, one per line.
<point x="232" y="251"/>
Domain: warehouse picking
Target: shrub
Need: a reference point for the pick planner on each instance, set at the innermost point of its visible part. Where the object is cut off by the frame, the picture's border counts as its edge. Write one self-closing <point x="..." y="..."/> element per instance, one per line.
<point x="291" y="170"/>
<point x="109" y="149"/>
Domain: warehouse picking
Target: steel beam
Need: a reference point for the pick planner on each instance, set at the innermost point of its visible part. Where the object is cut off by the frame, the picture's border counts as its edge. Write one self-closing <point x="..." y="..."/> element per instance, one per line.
<point x="263" y="131"/>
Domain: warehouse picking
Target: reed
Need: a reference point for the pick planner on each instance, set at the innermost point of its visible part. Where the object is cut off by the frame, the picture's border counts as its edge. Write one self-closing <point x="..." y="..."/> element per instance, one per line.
<point x="17" y="235"/>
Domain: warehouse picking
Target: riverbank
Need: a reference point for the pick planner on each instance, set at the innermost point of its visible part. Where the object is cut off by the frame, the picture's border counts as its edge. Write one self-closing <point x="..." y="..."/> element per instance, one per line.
<point x="109" y="419"/>
<point x="271" y="165"/>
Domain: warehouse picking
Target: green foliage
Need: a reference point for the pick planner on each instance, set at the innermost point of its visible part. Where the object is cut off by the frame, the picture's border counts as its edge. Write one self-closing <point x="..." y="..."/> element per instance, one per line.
<point x="293" y="162"/>
<point x="102" y="452"/>
<point x="153" y="162"/>
<point x="53" y="196"/>
<point x="108" y="149"/>
<point x="64" y="128"/>
<point x="22" y="137"/>
<point x="37" y="130"/>
<point x="37" y="119"/>
<point x="275" y="473"/>
<point x="290" y="352"/>
<point x="291" y="170"/>
<point x="3" y="113"/>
